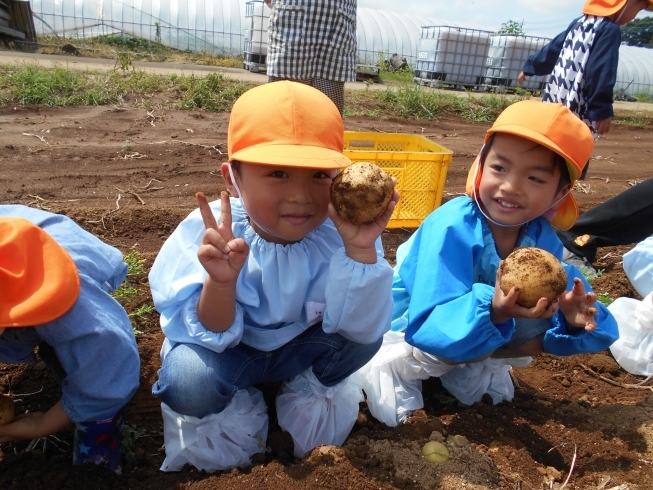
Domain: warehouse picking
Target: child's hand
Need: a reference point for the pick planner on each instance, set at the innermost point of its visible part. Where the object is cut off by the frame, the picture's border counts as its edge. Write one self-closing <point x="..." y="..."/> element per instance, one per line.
<point x="578" y="308"/>
<point x="33" y="425"/>
<point x="221" y="254"/>
<point x="359" y="239"/>
<point x="521" y="78"/>
<point x="505" y="307"/>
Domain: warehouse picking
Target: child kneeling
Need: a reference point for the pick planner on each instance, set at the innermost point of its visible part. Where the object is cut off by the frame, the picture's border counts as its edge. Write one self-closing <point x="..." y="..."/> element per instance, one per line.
<point x="279" y="288"/>
<point x="55" y="280"/>
<point x="449" y="318"/>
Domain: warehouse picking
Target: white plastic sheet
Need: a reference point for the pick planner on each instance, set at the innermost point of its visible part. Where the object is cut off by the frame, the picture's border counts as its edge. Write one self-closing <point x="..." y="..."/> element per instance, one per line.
<point x="315" y="415"/>
<point x="218" y="441"/>
<point x="638" y="265"/>
<point x="634" y="348"/>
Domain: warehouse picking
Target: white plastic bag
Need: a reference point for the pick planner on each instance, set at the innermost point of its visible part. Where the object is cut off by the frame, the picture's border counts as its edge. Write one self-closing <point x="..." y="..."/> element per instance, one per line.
<point x="218" y="441"/>
<point x="638" y="265"/>
<point x="315" y="415"/>
<point x="469" y="382"/>
<point x="634" y="348"/>
<point x="392" y="380"/>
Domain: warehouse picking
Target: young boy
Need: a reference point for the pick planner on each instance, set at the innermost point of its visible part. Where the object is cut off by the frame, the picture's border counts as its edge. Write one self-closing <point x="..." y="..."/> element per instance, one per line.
<point x="583" y="61"/>
<point x="457" y="321"/>
<point x="55" y="280"/>
<point x="279" y="288"/>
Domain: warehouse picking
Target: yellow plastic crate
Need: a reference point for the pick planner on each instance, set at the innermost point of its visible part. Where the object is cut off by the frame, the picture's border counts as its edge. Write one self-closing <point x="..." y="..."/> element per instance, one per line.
<point x="419" y="165"/>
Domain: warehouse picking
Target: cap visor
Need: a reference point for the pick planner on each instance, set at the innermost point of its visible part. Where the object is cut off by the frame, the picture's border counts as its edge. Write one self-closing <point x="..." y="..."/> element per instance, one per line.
<point x="566" y="215"/>
<point x="529" y="134"/>
<point x="292" y="156"/>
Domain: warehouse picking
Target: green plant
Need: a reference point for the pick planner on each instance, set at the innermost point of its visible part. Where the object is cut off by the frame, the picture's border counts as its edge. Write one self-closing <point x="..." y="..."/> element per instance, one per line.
<point x="125" y="291"/>
<point x="135" y="264"/>
<point x="589" y="275"/>
<point x="604" y="298"/>
<point x="138" y="313"/>
<point x="127" y="145"/>
<point x="129" y="436"/>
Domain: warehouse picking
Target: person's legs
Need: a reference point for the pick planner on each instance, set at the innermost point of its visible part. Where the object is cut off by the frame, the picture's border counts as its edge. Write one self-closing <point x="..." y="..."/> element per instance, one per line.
<point x="625" y="219"/>
<point x="334" y="90"/>
<point x="100" y="442"/>
<point x="331" y="357"/>
<point x="197" y="381"/>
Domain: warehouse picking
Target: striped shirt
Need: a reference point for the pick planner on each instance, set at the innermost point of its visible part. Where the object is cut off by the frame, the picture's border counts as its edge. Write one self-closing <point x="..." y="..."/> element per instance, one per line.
<point x="312" y="39"/>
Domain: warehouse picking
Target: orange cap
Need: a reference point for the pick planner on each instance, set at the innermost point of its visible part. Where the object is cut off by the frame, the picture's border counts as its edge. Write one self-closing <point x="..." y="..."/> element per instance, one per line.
<point x="605" y="8"/>
<point x="555" y="127"/>
<point x="286" y="123"/>
<point x="38" y="279"/>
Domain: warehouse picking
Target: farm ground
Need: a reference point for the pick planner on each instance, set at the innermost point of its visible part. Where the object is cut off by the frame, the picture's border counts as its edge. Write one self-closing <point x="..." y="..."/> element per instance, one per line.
<point x="129" y="177"/>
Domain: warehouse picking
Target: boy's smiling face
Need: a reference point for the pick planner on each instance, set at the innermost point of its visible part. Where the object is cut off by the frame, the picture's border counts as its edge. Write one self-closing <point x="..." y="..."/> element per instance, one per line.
<point x="284" y="203"/>
<point x="519" y="181"/>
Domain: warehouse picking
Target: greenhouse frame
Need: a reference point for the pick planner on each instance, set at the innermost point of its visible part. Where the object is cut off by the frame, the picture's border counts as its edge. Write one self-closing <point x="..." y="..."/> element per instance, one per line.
<point x="220" y="27"/>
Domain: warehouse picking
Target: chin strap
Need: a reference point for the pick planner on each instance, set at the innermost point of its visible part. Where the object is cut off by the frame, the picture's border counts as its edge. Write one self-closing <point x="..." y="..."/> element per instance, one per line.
<point x="242" y="203"/>
<point x="549" y="214"/>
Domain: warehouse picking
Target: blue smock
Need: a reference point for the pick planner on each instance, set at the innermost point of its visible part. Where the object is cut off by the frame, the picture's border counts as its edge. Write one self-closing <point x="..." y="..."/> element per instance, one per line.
<point x="94" y="340"/>
<point x="444" y="283"/>
<point x="280" y="292"/>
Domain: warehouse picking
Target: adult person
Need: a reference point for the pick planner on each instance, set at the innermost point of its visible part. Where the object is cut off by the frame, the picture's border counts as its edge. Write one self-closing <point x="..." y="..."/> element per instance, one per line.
<point x="313" y="42"/>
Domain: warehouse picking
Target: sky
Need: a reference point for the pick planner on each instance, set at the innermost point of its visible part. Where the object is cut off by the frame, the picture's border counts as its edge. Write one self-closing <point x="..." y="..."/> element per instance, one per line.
<point x="541" y="17"/>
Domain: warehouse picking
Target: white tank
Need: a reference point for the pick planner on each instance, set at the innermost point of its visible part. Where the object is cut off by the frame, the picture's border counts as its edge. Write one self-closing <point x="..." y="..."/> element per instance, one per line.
<point x="507" y="55"/>
<point x="455" y="55"/>
<point x="257" y="20"/>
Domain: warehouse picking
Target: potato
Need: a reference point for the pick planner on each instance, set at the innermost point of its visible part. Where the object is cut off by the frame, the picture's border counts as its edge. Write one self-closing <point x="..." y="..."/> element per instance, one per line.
<point x="361" y="193"/>
<point x="435" y="452"/>
<point x="537" y="274"/>
<point x="7" y="412"/>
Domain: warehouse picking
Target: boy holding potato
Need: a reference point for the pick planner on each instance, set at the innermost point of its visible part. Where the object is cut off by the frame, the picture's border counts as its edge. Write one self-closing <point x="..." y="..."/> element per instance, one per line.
<point x="457" y="324"/>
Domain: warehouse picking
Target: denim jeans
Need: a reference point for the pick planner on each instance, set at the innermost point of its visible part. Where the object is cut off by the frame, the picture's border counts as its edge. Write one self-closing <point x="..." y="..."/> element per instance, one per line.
<point x="197" y="381"/>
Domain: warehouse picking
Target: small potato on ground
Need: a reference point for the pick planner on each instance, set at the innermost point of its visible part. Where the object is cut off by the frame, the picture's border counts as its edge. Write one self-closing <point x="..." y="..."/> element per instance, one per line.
<point x="435" y="452"/>
<point x="536" y="272"/>
<point x="361" y="193"/>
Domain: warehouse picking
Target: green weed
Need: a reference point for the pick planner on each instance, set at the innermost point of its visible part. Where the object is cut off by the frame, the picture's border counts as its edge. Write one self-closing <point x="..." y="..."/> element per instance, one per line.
<point x="125" y="291"/>
<point x="129" y="436"/>
<point x="589" y="275"/>
<point x="135" y="264"/>
<point x="604" y="298"/>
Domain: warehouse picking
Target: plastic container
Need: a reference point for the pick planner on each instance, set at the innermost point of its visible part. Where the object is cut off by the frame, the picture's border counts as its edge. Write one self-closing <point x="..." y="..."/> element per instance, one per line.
<point x="257" y="20"/>
<point x="419" y="165"/>
<point x="453" y="55"/>
<point x="507" y="55"/>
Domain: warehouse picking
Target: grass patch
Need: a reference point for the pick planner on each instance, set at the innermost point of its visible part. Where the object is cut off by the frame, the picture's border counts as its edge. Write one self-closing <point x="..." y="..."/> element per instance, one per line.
<point x="138" y="48"/>
<point x="27" y="83"/>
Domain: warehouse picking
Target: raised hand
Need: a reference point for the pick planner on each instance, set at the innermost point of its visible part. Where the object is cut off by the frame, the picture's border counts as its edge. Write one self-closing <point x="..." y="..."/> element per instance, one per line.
<point x="578" y="308"/>
<point x="221" y="254"/>
<point x="504" y="306"/>
<point x="359" y="239"/>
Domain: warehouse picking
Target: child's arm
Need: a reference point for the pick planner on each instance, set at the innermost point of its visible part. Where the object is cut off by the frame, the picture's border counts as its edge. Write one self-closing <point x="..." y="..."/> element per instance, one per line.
<point x="543" y="61"/>
<point x="358" y="290"/>
<point x="222" y="255"/>
<point x="359" y="239"/>
<point x="33" y="425"/>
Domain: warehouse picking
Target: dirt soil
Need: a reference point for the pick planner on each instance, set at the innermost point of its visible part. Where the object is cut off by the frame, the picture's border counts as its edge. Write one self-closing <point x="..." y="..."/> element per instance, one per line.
<point x="129" y="177"/>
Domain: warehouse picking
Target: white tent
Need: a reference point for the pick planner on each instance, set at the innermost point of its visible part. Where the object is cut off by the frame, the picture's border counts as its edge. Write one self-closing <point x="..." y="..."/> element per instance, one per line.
<point x="218" y="27"/>
<point x="635" y="71"/>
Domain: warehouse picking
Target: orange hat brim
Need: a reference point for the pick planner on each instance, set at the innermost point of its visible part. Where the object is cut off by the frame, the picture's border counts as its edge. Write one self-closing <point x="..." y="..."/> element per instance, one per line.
<point x="291" y="156"/>
<point x="39" y="281"/>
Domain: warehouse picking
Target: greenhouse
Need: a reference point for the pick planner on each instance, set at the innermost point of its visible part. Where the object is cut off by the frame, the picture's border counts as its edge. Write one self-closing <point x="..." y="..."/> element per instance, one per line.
<point x="222" y="27"/>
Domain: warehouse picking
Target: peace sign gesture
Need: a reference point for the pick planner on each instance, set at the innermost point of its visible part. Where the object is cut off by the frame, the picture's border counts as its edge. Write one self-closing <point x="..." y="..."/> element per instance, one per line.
<point x="221" y="254"/>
